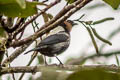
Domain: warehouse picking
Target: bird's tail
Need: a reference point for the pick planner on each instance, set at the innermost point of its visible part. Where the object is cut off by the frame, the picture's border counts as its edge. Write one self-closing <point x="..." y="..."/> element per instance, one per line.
<point x="35" y="49"/>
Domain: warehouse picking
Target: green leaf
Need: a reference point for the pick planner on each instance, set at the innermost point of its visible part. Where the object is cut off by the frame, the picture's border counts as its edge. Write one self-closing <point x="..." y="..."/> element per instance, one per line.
<point x="7" y="1"/>
<point x="2" y="32"/>
<point x="70" y="1"/>
<point x="113" y="3"/>
<point x="45" y="16"/>
<point x="117" y="60"/>
<point x="103" y="20"/>
<point x="100" y="38"/>
<point x="93" y="39"/>
<point x="94" y="74"/>
<point x="50" y="15"/>
<point x="14" y="10"/>
<point x="22" y="3"/>
<point x="95" y="6"/>
<point x="40" y="59"/>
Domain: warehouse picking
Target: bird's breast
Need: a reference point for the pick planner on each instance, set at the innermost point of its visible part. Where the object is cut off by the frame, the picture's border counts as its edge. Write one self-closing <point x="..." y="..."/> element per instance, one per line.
<point x="55" y="49"/>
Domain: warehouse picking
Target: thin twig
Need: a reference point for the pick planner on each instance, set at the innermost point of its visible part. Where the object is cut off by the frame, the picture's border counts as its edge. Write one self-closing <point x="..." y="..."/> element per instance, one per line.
<point x="83" y="59"/>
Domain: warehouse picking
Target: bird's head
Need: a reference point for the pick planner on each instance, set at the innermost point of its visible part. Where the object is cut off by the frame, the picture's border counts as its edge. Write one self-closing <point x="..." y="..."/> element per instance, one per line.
<point x="69" y="24"/>
<point x="72" y="23"/>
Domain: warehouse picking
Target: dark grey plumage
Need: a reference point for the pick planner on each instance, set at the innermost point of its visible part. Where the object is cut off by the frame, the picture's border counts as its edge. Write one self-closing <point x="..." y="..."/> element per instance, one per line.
<point x="54" y="39"/>
<point x="53" y="44"/>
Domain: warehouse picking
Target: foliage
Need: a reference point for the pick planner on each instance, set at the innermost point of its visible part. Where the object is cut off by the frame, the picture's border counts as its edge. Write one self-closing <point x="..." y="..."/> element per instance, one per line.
<point x="95" y="74"/>
<point x="18" y="8"/>
<point x="113" y="3"/>
<point x="2" y="32"/>
<point x="40" y="59"/>
<point x="117" y="60"/>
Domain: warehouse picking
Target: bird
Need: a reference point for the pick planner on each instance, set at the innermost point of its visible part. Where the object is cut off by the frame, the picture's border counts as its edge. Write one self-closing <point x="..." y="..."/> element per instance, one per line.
<point x="57" y="42"/>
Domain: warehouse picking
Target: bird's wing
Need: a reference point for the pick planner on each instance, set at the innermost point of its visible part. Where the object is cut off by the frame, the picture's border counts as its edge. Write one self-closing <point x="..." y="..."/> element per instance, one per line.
<point x="54" y="39"/>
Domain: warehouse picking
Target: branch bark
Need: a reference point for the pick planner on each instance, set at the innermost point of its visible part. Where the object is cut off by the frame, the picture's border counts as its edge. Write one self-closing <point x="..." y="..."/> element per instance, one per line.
<point x="34" y="69"/>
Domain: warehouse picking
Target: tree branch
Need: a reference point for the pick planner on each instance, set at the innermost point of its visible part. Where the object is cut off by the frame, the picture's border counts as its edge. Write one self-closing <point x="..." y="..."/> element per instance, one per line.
<point x="69" y="10"/>
<point x="34" y="69"/>
<point x="35" y="17"/>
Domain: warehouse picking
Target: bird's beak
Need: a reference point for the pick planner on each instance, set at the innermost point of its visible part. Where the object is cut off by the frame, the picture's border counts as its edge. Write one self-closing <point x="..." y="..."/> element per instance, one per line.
<point x="74" y="24"/>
